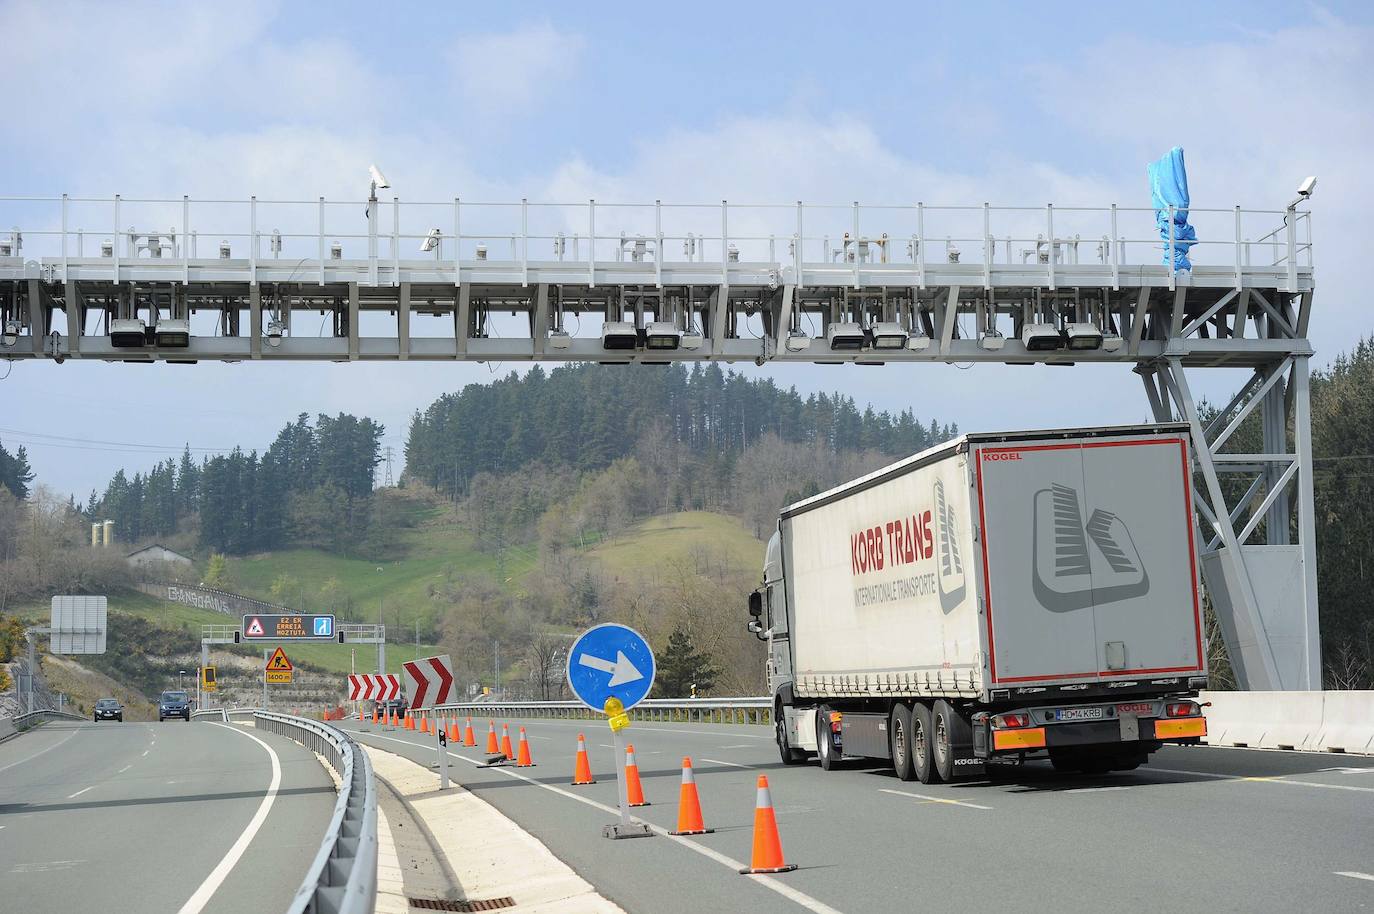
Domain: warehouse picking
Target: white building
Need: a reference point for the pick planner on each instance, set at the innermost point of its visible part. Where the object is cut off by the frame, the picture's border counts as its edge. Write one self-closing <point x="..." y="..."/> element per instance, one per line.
<point x="156" y="552"/>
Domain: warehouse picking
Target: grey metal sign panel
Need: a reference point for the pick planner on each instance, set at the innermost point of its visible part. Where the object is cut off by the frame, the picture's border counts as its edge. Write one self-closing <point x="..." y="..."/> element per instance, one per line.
<point x="78" y="625"/>
<point x="1091" y="563"/>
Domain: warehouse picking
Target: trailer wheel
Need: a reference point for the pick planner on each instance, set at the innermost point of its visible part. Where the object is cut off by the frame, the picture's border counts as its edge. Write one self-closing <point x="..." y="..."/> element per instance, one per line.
<point x="922" y="758"/>
<point x="789" y="756"/>
<point x="899" y="737"/>
<point x="826" y="753"/>
<point x="948" y="731"/>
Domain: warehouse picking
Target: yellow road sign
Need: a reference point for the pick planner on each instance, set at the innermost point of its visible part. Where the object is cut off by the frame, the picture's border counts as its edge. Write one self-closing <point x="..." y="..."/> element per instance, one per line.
<point x="207" y="679"/>
<point x="279" y="662"/>
<point x="280" y="677"/>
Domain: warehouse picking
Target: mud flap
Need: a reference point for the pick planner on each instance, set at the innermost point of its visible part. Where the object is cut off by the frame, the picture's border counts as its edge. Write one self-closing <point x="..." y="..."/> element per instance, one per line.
<point x="967" y="764"/>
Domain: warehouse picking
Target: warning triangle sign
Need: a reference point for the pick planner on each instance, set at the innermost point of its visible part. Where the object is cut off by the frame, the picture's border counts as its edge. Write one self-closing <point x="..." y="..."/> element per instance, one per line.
<point x="279" y="661"/>
<point x="255" y="629"/>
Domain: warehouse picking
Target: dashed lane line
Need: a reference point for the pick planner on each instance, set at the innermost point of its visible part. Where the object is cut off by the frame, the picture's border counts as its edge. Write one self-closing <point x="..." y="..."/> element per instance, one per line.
<point x="768" y="882"/>
<point x="716" y="761"/>
<point x="201" y="897"/>
<point x="73" y="796"/>
<point x="930" y="799"/>
<point x="1354" y="875"/>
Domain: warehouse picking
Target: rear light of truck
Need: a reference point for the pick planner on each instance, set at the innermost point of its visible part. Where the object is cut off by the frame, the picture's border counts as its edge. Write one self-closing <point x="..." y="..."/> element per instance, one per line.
<point x="835" y="718"/>
<point x="1182" y="709"/>
<point x="1010" y="721"/>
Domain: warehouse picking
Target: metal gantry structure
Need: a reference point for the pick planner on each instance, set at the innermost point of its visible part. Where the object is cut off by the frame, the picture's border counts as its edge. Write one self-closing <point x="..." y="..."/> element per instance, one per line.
<point x="652" y="283"/>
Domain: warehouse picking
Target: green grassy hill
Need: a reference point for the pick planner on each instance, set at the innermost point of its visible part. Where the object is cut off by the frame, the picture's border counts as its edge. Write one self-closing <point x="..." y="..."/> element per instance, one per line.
<point x="684" y="536"/>
<point x="427" y="554"/>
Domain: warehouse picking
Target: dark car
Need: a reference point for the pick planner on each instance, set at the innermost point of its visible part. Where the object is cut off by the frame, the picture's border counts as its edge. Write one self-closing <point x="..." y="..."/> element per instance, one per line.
<point x="108" y="709"/>
<point x="174" y="704"/>
<point x="393" y="706"/>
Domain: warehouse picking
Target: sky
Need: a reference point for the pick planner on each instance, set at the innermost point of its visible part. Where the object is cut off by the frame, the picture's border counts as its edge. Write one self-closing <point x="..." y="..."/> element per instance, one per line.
<point x="1012" y="104"/>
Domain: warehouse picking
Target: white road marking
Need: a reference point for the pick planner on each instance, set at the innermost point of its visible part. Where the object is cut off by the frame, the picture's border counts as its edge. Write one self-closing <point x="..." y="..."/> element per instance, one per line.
<point x="124" y="769"/>
<point x="39" y="752"/>
<point x="930" y="799"/>
<point x="202" y="895"/>
<point x="47" y="866"/>
<point x="1357" y="876"/>
<point x="1369" y="770"/>
<point x="768" y="882"/>
<point x="738" y="746"/>
<point x="145" y="753"/>
<point x="80" y="792"/>
<point x="1096" y="789"/>
<point x="1274" y="779"/>
<point x="716" y="761"/>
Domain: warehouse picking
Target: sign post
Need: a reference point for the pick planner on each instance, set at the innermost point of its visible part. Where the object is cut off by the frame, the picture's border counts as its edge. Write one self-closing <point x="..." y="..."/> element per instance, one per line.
<point x="429" y="683"/>
<point x="611" y="669"/>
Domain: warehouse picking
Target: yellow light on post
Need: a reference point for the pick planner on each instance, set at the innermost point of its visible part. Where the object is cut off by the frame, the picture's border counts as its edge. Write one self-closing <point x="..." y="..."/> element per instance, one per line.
<point x="615" y="714"/>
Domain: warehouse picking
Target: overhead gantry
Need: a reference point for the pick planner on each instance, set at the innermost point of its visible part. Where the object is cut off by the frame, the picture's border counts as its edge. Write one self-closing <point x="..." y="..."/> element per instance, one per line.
<point x="650" y="283"/>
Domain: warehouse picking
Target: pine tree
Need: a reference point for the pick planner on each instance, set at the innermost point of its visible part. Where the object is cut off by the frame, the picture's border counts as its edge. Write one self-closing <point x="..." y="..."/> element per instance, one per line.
<point x="682" y="668"/>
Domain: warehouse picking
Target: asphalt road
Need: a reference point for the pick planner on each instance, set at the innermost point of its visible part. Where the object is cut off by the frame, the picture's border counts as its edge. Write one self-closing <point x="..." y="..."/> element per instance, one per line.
<point x="1224" y="829"/>
<point x="152" y="817"/>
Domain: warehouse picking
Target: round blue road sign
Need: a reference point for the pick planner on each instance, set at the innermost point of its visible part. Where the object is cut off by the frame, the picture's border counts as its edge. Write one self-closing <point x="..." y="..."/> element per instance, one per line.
<point x="611" y="661"/>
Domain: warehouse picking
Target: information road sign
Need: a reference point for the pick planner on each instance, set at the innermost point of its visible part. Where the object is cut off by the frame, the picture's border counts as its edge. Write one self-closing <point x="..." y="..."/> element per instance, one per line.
<point x="289" y="627"/>
<point x="279" y="667"/>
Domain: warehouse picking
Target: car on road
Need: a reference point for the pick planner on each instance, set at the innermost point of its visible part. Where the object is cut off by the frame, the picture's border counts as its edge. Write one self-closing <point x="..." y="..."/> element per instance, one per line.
<point x="108" y="709"/>
<point x="393" y="706"/>
<point x="174" y="704"/>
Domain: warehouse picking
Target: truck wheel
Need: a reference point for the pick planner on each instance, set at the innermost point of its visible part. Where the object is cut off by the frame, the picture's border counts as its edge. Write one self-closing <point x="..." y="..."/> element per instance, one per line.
<point x="899" y="737"/>
<point x="826" y="753"/>
<point x="922" y="758"/>
<point x="948" y="731"/>
<point x="789" y="756"/>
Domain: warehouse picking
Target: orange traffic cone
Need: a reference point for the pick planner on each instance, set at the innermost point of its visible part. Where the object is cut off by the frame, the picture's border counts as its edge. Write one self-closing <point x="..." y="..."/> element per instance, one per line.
<point x="767" y="857"/>
<point x="468" y="738"/>
<point x="506" y="749"/>
<point x="410" y="721"/>
<point x="395" y="720"/>
<point x="689" y="821"/>
<point x="582" y="772"/>
<point x="360" y="713"/>
<point x="453" y="736"/>
<point x="524" y="760"/>
<point x="424" y="724"/>
<point x="492" y="747"/>
<point x="374" y="716"/>
<point x="634" y="791"/>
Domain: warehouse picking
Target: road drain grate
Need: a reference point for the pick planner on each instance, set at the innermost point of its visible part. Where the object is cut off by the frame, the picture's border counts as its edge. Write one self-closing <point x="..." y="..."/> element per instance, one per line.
<point x="440" y="904"/>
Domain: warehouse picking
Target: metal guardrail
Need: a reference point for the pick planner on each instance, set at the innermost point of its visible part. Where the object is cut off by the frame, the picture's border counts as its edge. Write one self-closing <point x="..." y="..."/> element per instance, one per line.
<point x="747" y="710"/>
<point x="33" y="718"/>
<point x="342" y="879"/>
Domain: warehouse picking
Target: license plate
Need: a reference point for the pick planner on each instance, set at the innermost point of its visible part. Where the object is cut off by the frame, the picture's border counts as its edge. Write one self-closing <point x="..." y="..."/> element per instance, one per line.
<point x="1078" y="714"/>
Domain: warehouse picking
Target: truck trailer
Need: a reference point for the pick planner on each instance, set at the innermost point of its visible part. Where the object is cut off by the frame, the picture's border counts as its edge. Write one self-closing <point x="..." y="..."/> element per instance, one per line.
<point x="1000" y="596"/>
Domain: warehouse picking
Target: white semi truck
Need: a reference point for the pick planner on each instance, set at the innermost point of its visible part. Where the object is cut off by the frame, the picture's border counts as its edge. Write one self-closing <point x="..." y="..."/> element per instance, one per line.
<point x="1009" y="595"/>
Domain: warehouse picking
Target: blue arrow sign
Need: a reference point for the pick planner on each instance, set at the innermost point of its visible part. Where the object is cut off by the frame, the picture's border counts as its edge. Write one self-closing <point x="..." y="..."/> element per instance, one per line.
<point x="324" y="626"/>
<point x="611" y="661"/>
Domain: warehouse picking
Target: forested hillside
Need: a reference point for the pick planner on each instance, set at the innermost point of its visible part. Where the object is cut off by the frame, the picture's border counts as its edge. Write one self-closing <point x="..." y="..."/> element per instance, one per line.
<point x="584" y="417"/>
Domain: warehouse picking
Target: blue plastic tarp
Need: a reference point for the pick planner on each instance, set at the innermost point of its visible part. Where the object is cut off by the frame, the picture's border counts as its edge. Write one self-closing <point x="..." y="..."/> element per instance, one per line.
<point x="1169" y="186"/>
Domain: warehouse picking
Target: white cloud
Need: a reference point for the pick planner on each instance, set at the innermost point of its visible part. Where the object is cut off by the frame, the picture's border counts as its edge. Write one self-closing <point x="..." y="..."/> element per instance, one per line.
<point x="515" y="69"/>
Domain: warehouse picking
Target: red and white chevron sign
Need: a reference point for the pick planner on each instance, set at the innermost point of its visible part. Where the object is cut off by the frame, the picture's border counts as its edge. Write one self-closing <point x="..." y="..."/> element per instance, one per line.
<point x="373" y="687"/>
<point x="429" y="682"/>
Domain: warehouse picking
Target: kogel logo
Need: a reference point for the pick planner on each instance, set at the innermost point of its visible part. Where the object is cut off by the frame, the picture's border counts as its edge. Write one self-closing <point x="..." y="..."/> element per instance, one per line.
<point x="1075" y="564"/>
<point x="1001" y="455"/>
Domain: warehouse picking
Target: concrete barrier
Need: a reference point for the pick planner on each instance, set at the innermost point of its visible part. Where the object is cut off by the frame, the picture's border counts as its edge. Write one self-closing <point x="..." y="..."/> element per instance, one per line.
<point x="1306" y="721"/>
<point x="1348" y="723"/>
<point x="7" y="729"/>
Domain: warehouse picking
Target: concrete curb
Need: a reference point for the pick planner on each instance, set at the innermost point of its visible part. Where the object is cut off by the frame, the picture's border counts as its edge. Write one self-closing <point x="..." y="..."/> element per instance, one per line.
<point x="489" y="855"/>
